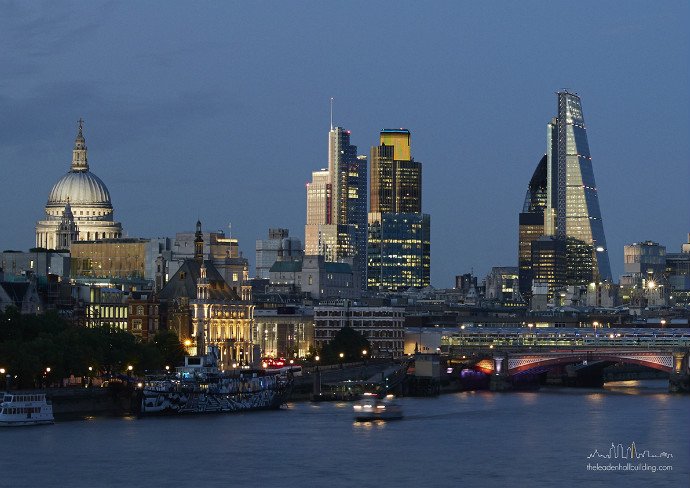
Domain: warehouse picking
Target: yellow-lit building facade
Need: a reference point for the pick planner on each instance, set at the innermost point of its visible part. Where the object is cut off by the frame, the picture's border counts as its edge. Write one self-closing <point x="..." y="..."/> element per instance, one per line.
<point x="399" y="234"/>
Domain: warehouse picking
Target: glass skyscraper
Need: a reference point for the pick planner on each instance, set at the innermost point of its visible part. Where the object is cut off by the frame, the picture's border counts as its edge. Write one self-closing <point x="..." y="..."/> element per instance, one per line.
<point x="531" y="223"/>
<point x="399" y="251"/>
<point x="572" y="208"/>
<point x="399" y="244"/>
<point x="349" y="188"/>
<point x="337" y="206"/>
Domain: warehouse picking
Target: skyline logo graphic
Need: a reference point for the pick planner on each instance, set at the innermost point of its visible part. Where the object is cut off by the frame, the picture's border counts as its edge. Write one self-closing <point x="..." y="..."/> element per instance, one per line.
<point x="629" y="452"/>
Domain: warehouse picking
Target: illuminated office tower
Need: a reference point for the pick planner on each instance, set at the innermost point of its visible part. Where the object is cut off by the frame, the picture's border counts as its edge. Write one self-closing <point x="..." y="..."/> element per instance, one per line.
<point x="531" y="228"/>
<point x="318" y="209"/>
<point x="396" y="178"/>
<point x="549" y="263"/>
<point x="349" y="201"/>
<point x="572" y="209"/>
<point x="337" y="206"/>
<point x="399" y="243"/>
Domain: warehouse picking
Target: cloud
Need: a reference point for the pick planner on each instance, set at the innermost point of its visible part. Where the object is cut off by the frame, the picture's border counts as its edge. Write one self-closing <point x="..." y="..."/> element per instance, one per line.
<point x="39" y="30"/>
<point x="42" y="114"/>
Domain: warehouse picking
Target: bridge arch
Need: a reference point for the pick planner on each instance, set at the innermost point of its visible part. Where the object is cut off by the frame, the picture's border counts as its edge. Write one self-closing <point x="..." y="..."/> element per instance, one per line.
<point x="525" y="363"/>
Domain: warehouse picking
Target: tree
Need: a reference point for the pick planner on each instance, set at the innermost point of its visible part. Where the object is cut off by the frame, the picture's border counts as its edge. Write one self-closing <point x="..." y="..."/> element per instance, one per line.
<point x="348" y="342"/>
<point x="171" y="349"/>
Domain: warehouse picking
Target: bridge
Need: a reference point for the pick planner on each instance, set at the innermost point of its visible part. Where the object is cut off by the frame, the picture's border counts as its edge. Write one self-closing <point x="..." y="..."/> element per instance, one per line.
<point x="506" y="355"/>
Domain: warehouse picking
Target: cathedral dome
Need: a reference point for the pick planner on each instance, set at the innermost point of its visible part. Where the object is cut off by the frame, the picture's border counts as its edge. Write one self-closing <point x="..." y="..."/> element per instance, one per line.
<point x="79" y="206"/>
<point x="81" y="188"/>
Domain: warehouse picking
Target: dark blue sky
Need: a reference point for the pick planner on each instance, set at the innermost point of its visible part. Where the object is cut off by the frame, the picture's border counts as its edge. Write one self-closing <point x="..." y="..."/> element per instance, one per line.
<point x="219" y="110"/>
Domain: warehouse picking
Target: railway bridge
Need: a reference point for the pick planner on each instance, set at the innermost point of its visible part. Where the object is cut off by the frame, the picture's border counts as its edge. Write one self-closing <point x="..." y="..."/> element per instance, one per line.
<point x="504" y="367"/>
<point x="506" y="355"/>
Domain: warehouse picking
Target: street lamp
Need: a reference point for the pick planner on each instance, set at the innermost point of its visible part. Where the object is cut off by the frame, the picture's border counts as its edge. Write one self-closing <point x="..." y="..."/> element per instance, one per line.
<point x="130" y="368"/>
<point x="167" y="368"/>
<point x="187" y="342"/>
<point x="530" y="325"/>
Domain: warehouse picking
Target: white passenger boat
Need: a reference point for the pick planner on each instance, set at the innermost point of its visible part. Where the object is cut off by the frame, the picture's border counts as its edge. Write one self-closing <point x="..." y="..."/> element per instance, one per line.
<point x="25" y="408"/>
<point x="371" y="407"/>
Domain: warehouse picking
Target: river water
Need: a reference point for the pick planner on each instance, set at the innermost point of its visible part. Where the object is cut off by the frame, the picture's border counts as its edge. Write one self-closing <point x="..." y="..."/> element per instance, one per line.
<point x="471" y="439"/>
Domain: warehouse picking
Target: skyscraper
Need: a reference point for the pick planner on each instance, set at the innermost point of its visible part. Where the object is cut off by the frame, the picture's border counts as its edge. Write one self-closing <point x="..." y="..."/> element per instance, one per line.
<point x="399" y="243"/>
<point x="531" y="225"/>
<point x="337" y="206"/>
<point x="349" y="188"/>
<point x="396" y="178"/>
<point x="318" y="209"/>
<point x="572" y="208"/>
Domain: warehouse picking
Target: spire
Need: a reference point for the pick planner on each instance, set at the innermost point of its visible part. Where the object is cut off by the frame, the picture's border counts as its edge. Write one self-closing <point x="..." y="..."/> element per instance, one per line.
<point x="331" y="113"/>
<point x="199" y="243"/>
<point x="80" y="161"/>
<point x="67" y="214"/>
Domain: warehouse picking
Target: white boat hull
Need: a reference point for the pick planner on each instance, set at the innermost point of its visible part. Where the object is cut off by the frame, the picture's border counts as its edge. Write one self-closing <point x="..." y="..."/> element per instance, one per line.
<point x="24" y="408"/>
<point x="23" y="423"/>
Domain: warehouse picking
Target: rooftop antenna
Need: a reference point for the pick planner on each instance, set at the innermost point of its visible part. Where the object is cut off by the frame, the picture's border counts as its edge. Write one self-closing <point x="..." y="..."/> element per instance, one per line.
<point x="331" y="113"/>
<point x="230" y="227"/>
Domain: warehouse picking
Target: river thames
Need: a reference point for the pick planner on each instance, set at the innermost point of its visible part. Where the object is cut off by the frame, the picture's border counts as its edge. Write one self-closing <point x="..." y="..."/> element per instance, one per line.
<point x="471" y="439"/>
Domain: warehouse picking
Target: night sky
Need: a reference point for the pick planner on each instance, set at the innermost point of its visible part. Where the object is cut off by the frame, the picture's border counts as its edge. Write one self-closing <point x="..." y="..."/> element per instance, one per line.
<point x="220" y="111"/>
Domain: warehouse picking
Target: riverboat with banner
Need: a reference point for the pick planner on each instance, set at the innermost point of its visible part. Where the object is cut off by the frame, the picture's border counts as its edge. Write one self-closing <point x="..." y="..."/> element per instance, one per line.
<point x="200" y="387"/>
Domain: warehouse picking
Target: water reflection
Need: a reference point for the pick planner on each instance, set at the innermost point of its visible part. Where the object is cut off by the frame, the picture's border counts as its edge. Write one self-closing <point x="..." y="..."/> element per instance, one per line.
<point x="469" y="439"/>
<point x="638" y="387"/>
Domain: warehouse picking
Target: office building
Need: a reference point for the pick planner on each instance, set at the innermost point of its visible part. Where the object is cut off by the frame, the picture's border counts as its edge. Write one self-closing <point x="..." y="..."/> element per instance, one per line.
<point x="37" y="262"/>
<point x="129" y="262"/>
<point x="278" y="247"/>
<point x="285" y="331"/>
<point x="531" y="225"/>
<point x="572" y="207"/>
<point x="316" y="277"/>
<point x="549" y="264"/>
<point x="644" y="261"/>
<point x="337" y="206"/>
<point x="383" y="327"/>
<point x="399" y="251"/>
<point x="502" y="284"/>
<point x="399" y="242"/>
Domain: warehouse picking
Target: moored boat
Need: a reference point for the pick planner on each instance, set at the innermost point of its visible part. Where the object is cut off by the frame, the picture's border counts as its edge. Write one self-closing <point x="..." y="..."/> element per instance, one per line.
<point x="200" y="387"/>
<point x="25" y="408"/>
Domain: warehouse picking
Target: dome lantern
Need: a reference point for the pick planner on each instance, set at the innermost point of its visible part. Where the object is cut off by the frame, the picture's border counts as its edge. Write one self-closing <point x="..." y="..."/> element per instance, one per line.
<point x="80" y="160"/>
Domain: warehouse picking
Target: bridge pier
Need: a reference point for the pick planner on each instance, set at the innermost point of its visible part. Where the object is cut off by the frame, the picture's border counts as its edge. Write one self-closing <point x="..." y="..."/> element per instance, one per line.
<point x="679" y="378"/>
<point x="500" y="380"/>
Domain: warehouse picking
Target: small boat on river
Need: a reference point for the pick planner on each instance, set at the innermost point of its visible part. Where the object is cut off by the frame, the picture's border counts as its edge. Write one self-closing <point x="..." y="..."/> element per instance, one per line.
<point x="371" y="408"/>
<point x="25" y="408"/>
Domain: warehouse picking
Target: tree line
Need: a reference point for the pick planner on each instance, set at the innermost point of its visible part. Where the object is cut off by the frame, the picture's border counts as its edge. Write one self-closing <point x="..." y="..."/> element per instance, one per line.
<point x="36" y="350"/>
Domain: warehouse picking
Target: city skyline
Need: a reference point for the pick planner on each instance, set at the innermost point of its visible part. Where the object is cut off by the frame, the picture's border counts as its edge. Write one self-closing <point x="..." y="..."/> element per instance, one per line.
<point x="159" y="155"/>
